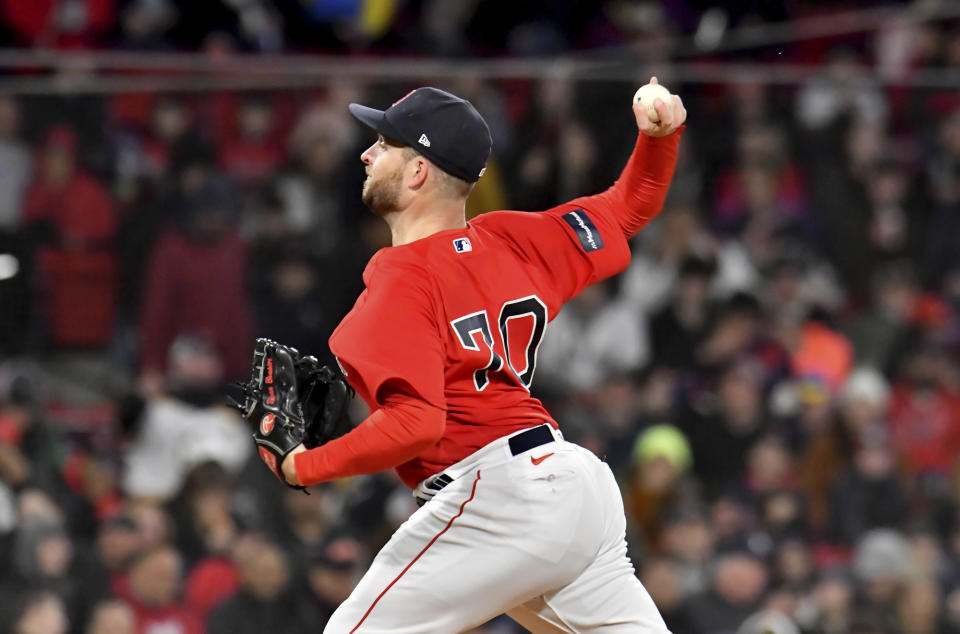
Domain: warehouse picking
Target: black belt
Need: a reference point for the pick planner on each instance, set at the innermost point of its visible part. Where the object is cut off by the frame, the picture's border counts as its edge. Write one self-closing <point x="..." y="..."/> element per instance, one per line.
<point x="524" y="441"/>
<point x="529" y="439"/>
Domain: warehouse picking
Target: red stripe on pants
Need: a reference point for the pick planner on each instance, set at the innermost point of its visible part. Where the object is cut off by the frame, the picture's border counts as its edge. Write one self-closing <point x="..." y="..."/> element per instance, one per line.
<point x="473" y="492"/>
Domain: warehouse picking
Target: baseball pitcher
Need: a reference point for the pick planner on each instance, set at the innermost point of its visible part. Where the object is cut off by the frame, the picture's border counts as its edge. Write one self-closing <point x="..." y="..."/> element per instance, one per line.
<point x="442" y="346"/>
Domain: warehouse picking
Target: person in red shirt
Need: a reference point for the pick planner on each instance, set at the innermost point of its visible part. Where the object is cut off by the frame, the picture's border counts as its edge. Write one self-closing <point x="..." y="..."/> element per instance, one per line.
<point x="195" y="284"/>
<point x="155" y="582"/>
<point x="75" y="219"/>
<point x="255" y="152"/>
<point x="442" y="346"/>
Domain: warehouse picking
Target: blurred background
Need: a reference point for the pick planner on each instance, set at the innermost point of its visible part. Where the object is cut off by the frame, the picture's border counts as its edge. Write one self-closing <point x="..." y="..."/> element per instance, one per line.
<point x="774" y="380"/>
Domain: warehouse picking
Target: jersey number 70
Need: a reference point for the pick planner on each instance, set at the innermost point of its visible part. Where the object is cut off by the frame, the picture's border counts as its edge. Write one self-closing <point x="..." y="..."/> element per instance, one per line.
<point x="477" y="322"/>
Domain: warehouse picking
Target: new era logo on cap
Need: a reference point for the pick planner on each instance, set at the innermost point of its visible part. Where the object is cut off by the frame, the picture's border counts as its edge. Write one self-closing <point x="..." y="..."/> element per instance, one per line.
<point x="424" y="141"/>
<point x="462" y="245"/>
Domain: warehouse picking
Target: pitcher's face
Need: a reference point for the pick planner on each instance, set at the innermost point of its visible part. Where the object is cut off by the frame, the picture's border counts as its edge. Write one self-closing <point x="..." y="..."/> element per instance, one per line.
<point x="384" y="167"/>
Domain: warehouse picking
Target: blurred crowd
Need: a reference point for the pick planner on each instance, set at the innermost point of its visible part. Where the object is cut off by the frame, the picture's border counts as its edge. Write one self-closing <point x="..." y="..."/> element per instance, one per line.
<point x="775" y="379"/>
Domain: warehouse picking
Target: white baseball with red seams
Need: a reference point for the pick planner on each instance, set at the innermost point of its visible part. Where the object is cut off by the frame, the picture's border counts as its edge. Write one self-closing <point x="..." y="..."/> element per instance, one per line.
<point x="648" y="94"/>
<point x="546" y="525"/>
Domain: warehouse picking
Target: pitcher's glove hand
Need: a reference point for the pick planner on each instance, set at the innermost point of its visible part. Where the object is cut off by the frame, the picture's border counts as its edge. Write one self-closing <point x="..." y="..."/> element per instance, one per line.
<point x="271" y="403"/>
<point x="291" y="400"/>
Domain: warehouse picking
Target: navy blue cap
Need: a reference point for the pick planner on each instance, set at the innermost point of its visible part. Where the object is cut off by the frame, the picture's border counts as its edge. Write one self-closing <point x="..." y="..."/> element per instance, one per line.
<point x="444" y="128"/>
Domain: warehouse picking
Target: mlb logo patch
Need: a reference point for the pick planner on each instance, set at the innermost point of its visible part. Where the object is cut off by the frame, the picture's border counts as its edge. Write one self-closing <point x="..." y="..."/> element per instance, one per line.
<point x="462" y="245"/>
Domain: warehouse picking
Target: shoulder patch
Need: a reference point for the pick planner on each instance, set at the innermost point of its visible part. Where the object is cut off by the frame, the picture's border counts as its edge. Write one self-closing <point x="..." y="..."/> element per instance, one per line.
<point x="587" y="232"/>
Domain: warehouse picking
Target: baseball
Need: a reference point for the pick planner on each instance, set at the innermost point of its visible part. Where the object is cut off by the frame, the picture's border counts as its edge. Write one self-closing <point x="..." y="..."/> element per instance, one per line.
<point x="648" y="94"/>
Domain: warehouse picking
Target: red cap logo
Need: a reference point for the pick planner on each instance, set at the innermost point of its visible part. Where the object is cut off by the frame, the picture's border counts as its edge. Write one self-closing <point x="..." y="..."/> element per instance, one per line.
<point x="269" y="459"/>
<point x="266" y="424"/>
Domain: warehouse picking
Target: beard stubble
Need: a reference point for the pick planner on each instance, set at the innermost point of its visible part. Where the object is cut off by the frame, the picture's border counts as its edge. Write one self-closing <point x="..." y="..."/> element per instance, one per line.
<point x="383" y="196"/>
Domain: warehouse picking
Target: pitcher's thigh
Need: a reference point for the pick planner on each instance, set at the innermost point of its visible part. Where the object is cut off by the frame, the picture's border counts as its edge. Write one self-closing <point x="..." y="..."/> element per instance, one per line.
<point x="606" y="595"/>
<point x="607" y="598"/>
<point x="458" y="562"/>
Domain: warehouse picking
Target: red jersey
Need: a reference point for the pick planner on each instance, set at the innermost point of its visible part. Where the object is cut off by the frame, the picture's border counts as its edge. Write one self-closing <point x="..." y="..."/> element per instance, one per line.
<point x="458" y="316"/>
<point x="451" y="324"/>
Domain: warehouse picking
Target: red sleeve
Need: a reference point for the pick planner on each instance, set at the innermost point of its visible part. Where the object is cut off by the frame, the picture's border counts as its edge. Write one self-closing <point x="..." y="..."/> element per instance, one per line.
<point x="391" y="436"/>
<point x="583" y="241"/>
<point x="637" y="196"/>
<point x="566" y="248"/>
<point x="392" y="351"/>
<point x="393" y="333"/>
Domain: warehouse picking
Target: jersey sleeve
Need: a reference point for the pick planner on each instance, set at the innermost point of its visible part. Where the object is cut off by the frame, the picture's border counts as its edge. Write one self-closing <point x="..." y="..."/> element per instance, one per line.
<point x="391" y="341"/>
<point x="570" y="246"/>
<point x="595" y="246"/>
<point x="584" y="241"/>
<point x="637" y="196"/>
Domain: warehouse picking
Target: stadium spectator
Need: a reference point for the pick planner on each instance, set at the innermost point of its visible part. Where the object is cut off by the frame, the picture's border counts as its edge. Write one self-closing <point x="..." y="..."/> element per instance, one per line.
<point x="678" y="329"/>
<point x="292" y="299"/>
<point x="737" y="586"/>
<point x="829" y="448"/>
<point x="104" y="566"/>
<point x="592" y="340"/>
<point x="661" y="578"/>
<point x="659" y="485"/>
<point x="256" y="151"/>
<point x="314" y="190"/>
<point x="918" y="607"/>
<point x="112" y="617"/>
<point x="821" y="353"/>
<point x="31" y="449"/>
<point x="924" y="411"/>
<point x="155" y="584"/>
<point x="266" y="600"/>
<point x="881" y="564"/>
<point x="332" y="571"/>
<point x="76" y="221"/>
<point x="720" y="439"/>
<point x="170" y="122"/>
<point x="763" y="196"/>
<point x="742" y="332"/>
<point x="154" y="211"/>
<point x="867" y="495"/>
<point x="158" y="461"/>
<point x="309" y="522"/>
<point x="40" y="613"/>
<point x="831" y="607"/>
<point x="878" y="332"/>
<point x="196" y="284"/>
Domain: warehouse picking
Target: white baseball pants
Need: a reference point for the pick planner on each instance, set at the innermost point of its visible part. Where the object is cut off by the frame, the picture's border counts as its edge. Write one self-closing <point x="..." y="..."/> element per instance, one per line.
<point x="539" y="536"/>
